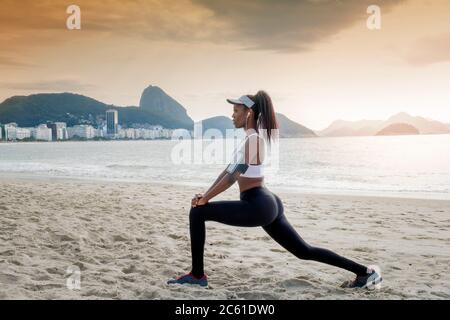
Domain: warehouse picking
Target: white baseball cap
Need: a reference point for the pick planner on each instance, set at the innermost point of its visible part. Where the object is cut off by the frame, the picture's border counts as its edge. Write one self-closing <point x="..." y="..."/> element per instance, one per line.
<point x="244" y="100"/>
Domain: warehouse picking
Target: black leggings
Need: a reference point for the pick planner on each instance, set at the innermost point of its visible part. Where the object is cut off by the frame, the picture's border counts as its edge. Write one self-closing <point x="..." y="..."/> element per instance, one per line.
<point x="258" y="207"/>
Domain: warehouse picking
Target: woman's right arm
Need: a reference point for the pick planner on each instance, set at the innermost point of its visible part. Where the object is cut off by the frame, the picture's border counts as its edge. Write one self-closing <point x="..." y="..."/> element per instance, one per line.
<point x="217" y="180"/>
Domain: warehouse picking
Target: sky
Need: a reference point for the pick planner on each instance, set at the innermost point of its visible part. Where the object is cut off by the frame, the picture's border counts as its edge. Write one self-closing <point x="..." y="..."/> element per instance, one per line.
<point x="316" y="58"/>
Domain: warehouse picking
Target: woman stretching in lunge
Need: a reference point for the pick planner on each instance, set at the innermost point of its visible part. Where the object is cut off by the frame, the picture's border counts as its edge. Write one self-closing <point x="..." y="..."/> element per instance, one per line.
<point x="257" y="207"/>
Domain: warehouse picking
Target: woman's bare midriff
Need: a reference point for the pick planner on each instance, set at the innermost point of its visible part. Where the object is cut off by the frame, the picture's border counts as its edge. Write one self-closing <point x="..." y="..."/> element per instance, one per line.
<point x="248" y="183"/>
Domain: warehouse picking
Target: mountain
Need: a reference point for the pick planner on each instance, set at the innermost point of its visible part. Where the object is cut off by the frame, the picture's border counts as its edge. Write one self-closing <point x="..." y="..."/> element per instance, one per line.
<point x="288" y="128"/>
<point x="351" y="128"/>
<point x="291" y="129"/>
<point x="425" y="126"/>
<point x="30" y="111"/>
<point x="156" y="101"/>
<point x="221" y="123"/>
<point x="397" y="129"/>
<point x="372" y="127"/>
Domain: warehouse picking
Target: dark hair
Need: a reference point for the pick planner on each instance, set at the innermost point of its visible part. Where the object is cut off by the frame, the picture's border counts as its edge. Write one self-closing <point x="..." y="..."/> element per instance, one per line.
<point x="264" y="113"/>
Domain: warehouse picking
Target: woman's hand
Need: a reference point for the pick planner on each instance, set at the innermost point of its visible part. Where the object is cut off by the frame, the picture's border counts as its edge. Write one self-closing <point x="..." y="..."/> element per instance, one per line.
<point x="202" y="201"/>
<point x="195" y="199"/>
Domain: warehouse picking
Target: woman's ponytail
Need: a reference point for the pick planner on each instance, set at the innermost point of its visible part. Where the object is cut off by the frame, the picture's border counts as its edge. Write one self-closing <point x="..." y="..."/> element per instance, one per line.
<point x="264" y="114"/>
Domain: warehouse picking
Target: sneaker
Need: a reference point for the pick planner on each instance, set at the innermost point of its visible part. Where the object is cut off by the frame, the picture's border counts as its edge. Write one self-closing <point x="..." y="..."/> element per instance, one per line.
<point x="190" y="279"/>
<point x="370" y="281"/>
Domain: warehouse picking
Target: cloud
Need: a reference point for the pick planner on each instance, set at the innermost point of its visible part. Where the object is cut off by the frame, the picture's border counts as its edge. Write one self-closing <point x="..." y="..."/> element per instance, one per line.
<point x="56" y="85"/>
<point x="290" y="25"/>
<point x="430" y="50"/>
<point x="282" y="25"/>
<point x="31" y="21"/>
<point x="11" y="62"/>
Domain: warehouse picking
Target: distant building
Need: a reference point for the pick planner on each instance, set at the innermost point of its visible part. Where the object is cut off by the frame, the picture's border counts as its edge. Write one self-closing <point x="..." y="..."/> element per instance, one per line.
<point x="42" y="132"/>
<point x="142" y="133"/>
<point x="23" y="133"/>
<point x="166" y="133"/>
<point x="10" y="131"/>
<point x="130" y="133"/>
<point x="99" y="133"/>
<point x="82" y="131"/>
<point x="52" y="126"/>
<point x="59" y="130"/>
<point x="112" y="122"/>
<point x="121" y="134"/>
<point x="62" y="133"/>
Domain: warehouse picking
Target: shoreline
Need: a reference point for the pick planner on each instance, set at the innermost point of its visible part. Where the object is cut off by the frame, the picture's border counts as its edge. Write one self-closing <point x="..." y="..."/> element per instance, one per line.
<point x="7" y="176"/>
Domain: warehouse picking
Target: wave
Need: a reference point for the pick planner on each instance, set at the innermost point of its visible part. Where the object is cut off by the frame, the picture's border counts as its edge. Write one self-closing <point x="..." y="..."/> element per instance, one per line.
<point x="128" y="166"/>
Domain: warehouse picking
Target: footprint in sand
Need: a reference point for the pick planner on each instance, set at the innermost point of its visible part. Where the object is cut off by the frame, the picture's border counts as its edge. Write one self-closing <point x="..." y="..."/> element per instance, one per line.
<point x="8" y="278"/>
<point x="41" y="287"/>
<point x="130" y="269"/>
<point x="16" y="262"/>
<point x="362" y="249"/>
<point x="109" y="281"/>
<point x="175" y="236"/>
<point x="7" y="253"/>
<point x="42" y="277"/>
<point x="55" y="270"/>
<point x="119" y="238"/>
<point x="65" y="237"/>
<point x="295" y="283"/>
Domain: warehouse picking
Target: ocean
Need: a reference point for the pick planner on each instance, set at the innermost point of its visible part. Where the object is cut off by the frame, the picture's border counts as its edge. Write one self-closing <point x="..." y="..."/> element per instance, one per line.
<point x="402" y="166"/>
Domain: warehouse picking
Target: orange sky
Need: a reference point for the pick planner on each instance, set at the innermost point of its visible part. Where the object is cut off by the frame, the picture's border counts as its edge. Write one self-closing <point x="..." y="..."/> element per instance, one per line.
<point x="316" y="58"/>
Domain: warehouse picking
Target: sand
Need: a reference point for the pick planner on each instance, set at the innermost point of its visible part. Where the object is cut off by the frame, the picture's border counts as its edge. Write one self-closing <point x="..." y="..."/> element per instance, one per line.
<point x="128" y="238"/>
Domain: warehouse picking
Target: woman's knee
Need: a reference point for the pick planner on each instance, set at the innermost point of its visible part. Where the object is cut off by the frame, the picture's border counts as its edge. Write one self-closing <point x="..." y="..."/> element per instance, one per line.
<point x="196" y="213"/>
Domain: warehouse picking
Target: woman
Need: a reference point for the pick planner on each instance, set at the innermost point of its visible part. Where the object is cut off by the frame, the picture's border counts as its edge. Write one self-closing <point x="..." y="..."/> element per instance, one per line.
<point x="257" y="205"/>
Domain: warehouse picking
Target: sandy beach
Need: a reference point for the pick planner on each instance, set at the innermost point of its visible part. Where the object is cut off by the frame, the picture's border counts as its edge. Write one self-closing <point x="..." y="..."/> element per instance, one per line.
<point x="127" y="239"/>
